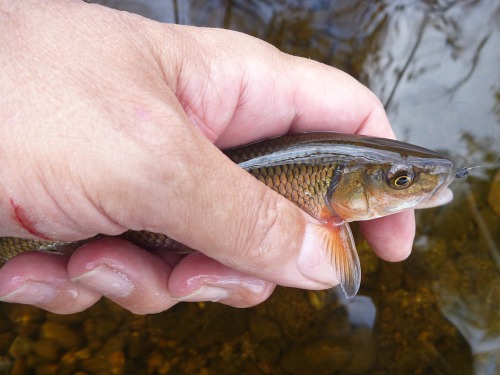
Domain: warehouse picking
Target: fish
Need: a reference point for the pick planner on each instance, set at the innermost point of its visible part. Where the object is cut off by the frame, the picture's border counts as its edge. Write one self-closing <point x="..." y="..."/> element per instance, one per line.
<point x="336" y="178"/>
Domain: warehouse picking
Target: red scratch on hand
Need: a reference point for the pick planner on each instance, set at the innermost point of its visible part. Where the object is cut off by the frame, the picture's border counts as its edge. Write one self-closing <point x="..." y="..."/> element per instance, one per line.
<point x="24" y="221"/>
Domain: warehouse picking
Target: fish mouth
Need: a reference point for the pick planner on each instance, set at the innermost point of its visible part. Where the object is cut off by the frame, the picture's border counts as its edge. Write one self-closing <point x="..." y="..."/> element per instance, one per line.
<point x="442" y="194"/>
<point x="439" y="198"/>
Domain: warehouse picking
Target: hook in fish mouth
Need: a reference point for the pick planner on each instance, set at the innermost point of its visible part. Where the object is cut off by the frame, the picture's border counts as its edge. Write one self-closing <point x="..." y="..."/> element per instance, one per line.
<point x="462" y="172"/>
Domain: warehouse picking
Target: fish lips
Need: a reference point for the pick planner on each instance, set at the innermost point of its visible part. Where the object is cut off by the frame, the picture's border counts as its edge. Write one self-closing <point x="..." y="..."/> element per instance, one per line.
<point x="441" y="197"/>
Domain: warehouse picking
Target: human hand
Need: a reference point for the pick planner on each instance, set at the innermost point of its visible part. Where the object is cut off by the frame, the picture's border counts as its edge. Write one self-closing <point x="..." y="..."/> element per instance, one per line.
<point x="112" y="122"/>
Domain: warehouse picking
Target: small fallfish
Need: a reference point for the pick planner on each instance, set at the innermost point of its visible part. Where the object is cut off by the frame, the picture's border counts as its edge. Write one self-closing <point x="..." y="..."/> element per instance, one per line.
<point x="336" y="178"/>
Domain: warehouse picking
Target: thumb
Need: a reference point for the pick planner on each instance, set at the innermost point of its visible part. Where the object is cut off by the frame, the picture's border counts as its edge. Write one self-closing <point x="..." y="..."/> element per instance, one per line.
<point x="200" y="198"/>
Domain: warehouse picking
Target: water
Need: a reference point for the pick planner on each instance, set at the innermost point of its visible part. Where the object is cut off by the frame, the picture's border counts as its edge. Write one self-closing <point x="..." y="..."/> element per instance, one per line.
<point x="435" y="66"/>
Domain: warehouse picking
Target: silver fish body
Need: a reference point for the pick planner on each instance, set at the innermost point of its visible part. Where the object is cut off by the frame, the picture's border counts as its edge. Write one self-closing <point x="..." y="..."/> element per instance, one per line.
<point x="337" y="178"/>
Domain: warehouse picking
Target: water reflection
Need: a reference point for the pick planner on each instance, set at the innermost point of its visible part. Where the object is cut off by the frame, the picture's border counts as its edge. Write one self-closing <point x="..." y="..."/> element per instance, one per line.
<point x="450" y="71"/>
<point x="437" y="313"/>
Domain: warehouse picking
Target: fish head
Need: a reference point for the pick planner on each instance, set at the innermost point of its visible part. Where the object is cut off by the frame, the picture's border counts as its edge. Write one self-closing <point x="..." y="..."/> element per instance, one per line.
<point x="385" y="182"/>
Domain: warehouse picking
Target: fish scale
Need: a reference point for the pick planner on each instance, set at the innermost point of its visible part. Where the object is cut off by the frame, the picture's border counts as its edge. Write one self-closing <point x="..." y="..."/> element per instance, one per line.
<point x="306" y="186"/>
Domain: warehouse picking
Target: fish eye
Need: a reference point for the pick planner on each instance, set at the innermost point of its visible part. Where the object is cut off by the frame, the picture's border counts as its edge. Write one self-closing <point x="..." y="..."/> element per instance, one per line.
<point x="400" y="179"/>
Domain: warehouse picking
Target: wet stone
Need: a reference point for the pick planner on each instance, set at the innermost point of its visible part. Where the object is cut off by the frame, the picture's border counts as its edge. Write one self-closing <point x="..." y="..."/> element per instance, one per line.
<point x="26" y="319"/>
<point x="47" y="369"/>
<point x="195" y="365"/>
<point x="224" y="325"/>
<point x="21" y="347"/>
<point x="137" y="344"/>
<point x="269" y="350"/>
<point x="6" y="340"/>
<point x="62" y="335"/>
<point x="19" y="367"/>
<point x="157" y="363"/>
<point x="101" y="328"/>
<point x="5" y="325"/>
<point x="363" y="351"/>
<point x="317" y="299"/>
<point x="336" y="325"/>
<point x="6" y="364"/>
<point x="69" y="362"/>
<point x="166" y="325"/>
<point x="262" y="328"/>
<point x="47" y="349"/>
<point x="318" y="357"/>
<point x="110" y="363"/>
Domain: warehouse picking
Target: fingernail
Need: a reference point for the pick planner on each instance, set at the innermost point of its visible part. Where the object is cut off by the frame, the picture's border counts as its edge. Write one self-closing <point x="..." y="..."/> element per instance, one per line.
<point x="206" y="293"/>
<point x="107" y="280"/>
<point x="31" y="292"/>
<point x="215" y="291"/>
<point x="314" y="262"/>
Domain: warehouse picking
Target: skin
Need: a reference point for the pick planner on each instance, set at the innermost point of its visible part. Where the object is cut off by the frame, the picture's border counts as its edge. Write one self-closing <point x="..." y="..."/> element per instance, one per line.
<point x="110" y="122"/>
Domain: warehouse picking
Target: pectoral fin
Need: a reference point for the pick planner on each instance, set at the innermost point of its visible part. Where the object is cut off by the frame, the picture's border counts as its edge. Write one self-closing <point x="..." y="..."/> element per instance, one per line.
<point x="344" y="259"/>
